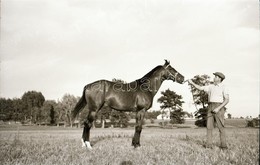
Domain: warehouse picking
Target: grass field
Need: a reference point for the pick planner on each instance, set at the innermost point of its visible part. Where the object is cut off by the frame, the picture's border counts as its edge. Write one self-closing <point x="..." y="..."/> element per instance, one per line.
<point x="52" y="145"/>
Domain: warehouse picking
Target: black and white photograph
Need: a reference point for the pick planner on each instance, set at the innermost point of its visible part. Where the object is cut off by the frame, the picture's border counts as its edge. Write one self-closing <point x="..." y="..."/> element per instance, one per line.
<point x="129" y="82"/>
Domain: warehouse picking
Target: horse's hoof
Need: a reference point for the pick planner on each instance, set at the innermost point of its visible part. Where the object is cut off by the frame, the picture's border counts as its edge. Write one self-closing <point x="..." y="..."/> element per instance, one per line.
<point x="89" y="148"/>
<point x="88" y="145"/>
<point x="136" y="145"/>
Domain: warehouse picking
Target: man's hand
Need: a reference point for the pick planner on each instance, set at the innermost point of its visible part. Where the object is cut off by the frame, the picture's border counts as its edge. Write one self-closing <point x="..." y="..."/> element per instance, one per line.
<point x="190" y="81"/>
<point x="215" y="110"/>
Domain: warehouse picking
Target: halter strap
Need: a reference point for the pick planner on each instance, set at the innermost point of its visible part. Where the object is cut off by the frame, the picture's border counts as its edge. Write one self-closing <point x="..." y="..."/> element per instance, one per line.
<point x="165" y="67"/>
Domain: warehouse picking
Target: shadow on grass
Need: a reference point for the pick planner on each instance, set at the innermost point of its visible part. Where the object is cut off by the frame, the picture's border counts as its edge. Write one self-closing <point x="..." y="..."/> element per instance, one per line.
<point x="189" y="139"/>
<point x="128" y="162"/>
<point x="98" y="139"/>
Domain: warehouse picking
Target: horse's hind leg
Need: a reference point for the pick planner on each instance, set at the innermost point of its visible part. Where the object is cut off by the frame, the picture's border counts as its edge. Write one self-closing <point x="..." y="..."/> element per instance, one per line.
<point x="86" y="130"/>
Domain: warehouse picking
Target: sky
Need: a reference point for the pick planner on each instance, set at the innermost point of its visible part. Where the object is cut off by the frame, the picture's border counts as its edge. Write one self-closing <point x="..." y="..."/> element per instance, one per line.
<point x="57" y="47"/>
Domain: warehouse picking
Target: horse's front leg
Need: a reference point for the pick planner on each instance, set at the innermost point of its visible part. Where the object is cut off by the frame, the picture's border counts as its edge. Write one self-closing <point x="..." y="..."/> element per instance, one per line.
<point x="138" y="128"/>
<point x="86" y="130"/>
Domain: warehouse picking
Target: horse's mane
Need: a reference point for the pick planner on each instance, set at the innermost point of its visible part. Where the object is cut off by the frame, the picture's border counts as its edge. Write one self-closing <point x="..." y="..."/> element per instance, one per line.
<point x="145" y="77"/>
<point x="149" y="74"/>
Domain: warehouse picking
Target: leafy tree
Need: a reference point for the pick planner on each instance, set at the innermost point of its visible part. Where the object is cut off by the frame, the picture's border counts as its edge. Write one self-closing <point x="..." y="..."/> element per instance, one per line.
<point x="200" y="98"/>
<point x="18" y="109"/>
<point x="119" y="118"/>
<point x="82" y="115"/>
<point x="252" y="122"/>
<point x="104" y="114"/>
<point x="201" y="116"/>
<point x="177" y="116"/>
<point x="6" y="109"/>
<point x="52" y="115"/>
<point x="48" y="112"/>
<point x="59" y="113"/>
<point x="172" y="101"/>
<point x="33" y="101"/>
<point x="152" y="115"/>
<point x="229" y="116"/>
<point x="67" y="104"/>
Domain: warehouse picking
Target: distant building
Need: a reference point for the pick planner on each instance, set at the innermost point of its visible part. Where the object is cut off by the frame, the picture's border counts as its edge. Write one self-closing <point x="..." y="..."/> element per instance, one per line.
<point x="165" y="115"/>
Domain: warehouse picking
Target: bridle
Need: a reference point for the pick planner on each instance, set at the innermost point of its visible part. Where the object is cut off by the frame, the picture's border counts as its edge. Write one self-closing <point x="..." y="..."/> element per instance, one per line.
<point x="171" y="75"/>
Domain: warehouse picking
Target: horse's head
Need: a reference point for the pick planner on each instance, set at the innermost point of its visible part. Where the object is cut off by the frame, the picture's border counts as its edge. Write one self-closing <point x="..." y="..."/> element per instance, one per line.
<point x="172" y="74"/>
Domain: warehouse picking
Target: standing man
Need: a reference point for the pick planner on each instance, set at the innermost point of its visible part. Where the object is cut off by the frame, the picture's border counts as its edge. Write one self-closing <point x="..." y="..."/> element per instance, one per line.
<point x="218" y="97"/>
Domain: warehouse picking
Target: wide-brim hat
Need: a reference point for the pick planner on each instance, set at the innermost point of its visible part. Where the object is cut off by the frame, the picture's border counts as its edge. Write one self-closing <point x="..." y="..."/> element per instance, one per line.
<point x="219" y="74"/>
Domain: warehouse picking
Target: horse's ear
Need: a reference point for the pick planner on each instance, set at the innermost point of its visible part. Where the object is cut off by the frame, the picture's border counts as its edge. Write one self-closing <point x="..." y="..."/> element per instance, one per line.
<point x="166" y="62"/>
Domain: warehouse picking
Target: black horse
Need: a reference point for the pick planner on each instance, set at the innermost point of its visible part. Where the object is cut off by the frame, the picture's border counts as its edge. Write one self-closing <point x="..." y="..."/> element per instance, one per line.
<point x="136" y="96"/>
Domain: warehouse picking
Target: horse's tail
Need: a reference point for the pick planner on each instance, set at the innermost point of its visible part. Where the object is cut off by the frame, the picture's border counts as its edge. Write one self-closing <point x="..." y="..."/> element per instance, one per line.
<point x="80" y="105"/>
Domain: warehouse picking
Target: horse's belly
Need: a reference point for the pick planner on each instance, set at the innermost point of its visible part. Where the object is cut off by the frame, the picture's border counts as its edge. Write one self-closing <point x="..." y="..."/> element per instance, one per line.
<point x="129" y="102"/>
<point x="122" y="103"/>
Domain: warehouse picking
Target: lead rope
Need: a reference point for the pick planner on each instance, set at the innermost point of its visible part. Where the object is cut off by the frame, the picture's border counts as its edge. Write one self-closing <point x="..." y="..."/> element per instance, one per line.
<point x="192" y="94"/>
<point x="194" y="102"/>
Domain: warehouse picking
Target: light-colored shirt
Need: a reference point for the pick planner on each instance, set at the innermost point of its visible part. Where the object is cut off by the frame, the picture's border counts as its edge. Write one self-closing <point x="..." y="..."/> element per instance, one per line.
<point x="216" y="93"/>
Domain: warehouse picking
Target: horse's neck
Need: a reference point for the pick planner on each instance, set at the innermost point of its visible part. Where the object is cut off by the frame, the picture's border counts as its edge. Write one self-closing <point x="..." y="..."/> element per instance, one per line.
<point x="155" y="83"/>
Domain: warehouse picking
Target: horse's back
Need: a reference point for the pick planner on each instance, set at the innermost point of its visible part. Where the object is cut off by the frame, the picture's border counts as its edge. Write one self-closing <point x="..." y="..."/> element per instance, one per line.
<point x="95" y="93"/>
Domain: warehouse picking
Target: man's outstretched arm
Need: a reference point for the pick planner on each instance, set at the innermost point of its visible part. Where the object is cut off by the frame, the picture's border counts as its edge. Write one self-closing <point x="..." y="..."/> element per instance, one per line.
<point x="195" y="85"/>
